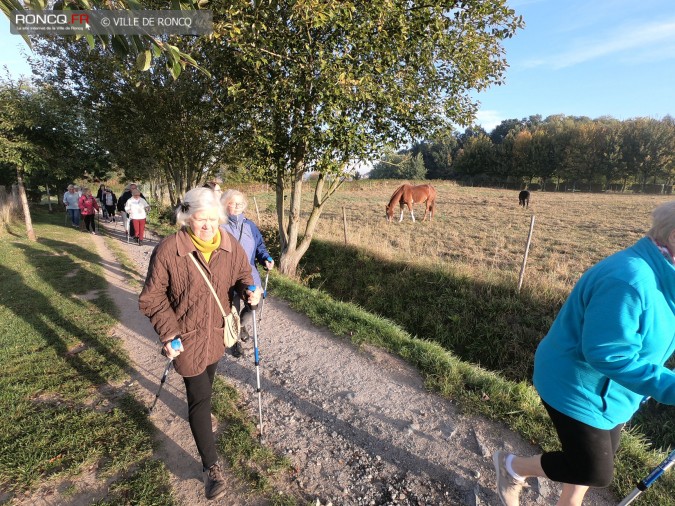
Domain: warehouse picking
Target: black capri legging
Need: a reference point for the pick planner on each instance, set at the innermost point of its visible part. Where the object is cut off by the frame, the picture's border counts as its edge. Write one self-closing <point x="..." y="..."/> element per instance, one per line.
<point x="587" y="456"/>
<point x="199" y="389"/>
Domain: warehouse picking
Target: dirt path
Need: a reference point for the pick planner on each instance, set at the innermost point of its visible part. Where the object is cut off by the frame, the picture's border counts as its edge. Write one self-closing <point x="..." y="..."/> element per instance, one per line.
<point x="357" y="423"/>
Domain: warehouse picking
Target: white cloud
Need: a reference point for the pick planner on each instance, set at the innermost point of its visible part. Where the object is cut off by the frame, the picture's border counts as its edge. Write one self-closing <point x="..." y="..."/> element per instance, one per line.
<point x="488" y="119"/>
<point x="647" y="38"/>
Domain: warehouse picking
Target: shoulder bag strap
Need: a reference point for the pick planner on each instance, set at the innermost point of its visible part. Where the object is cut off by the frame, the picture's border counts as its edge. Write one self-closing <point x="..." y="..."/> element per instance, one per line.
<point x="208" y="283"/>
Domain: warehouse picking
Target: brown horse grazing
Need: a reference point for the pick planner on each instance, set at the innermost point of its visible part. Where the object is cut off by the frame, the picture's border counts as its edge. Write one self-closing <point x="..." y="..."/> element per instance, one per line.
<point x="407" y="195"/>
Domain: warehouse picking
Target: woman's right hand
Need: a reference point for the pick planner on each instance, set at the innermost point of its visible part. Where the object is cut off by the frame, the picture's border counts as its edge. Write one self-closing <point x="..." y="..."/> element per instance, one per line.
<point x="170" y="352"/>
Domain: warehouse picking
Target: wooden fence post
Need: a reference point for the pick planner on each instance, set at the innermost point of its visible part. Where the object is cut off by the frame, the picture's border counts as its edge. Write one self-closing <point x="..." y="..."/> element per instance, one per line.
<point x="257" y="212"/>
<point x="344" y="221"/>
<point x="527" y="250"/>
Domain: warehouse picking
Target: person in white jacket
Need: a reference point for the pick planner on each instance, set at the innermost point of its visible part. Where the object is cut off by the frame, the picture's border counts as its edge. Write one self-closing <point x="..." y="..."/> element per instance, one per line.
<point x="137" y="209"/>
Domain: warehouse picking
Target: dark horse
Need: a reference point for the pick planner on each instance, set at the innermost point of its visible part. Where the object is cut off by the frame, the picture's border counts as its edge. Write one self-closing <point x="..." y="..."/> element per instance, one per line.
<point x="524" y="198"/>
<point x="407" y="195"/>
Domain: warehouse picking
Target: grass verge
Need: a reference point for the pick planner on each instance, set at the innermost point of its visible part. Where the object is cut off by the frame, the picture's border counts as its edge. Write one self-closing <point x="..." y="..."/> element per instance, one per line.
<point x="477" y="390"/>
<point x="62" y="388"/>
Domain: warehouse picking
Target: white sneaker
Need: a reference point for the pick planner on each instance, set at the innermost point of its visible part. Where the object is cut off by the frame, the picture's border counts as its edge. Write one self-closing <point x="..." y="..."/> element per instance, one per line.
<point x="508" y="488"/>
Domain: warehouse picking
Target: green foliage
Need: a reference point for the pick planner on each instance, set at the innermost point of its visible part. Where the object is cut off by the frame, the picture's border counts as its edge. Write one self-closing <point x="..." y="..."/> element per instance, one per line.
<point x="131" y="105"/>
<point x="44" y="133"/>
<point x="397" y="166"/>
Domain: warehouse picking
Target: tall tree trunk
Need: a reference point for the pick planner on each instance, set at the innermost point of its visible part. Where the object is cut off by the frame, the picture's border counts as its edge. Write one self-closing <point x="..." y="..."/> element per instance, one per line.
<point x="281" y="211"/>
<point x="24" y="205"/>
<point x="290" y="256"/>
<point x="49" y="198"/>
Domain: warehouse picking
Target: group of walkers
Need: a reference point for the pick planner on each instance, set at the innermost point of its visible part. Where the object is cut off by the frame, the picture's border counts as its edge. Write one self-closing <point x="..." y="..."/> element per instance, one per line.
<point x="82" y="207"/>
<point x="605" y="352"/>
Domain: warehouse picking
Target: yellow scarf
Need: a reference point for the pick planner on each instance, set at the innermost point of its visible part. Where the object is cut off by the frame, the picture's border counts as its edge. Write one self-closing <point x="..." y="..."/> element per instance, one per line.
<point x="205" y="247"/>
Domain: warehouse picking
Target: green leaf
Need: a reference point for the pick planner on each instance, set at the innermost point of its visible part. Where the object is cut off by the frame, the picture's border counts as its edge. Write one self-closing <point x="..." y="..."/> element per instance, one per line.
<point x="120" y="45"/>
<point x="176" y="69"/>
<point x="144" y="60"/>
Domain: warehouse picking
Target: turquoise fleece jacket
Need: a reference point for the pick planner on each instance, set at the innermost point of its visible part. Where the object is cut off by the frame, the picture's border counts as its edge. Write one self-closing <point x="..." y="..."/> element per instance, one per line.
<point x="607" y="347"/>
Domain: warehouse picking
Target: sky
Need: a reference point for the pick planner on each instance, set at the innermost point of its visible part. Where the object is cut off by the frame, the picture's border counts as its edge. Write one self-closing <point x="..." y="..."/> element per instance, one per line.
<point x="575" y="57"/>
<point x="587" y="58"/>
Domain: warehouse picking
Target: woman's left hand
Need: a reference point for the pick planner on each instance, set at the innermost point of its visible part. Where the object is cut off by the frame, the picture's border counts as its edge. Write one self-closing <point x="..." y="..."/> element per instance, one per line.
<point x="269" y="264"/>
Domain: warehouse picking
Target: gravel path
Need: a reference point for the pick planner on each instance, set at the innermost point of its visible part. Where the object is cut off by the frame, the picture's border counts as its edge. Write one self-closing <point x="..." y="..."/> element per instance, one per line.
<point x="357" y="424"/>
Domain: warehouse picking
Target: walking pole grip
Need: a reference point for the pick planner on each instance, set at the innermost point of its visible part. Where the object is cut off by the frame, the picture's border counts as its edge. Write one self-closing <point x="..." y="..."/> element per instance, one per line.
<point x="252" y="288"/>
<point x="175" y="344"/>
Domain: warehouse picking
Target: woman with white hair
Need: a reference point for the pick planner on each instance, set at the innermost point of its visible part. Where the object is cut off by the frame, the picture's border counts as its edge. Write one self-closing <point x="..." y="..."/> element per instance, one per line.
<point x="249" y="236"/>
<point x="179" y="303"/>
<point x="604" y="353"/>
<point x="137" y="210"/>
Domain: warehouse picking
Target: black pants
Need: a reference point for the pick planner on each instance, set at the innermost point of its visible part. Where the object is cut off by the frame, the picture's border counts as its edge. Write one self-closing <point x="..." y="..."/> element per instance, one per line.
<point x="199" y="389"/>
<point x="89" y="222"/>
<point x="587" y="456"/>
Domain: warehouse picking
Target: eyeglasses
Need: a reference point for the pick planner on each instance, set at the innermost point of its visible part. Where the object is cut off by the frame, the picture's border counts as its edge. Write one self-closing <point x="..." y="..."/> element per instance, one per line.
<point x="236" y="204"/>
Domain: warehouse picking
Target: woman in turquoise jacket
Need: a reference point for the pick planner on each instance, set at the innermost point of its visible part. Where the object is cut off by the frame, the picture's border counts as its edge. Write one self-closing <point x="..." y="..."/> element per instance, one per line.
<point x="604" y="353"/>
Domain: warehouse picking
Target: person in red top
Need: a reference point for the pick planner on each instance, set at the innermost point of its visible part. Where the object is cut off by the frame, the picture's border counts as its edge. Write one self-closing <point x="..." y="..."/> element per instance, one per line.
<point x="88" y="209"/>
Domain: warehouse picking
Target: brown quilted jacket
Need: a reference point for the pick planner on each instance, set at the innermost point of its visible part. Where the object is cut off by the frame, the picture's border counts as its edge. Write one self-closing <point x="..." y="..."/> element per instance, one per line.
<point x="179" y="302"/>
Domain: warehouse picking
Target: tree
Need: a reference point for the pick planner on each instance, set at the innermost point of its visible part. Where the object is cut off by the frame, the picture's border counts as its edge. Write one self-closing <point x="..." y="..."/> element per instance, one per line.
<point x="320" y="85"/>
<point x="391" y="166"/>
<point x="477" y="157"/>
<point x="438" y="154"/>
<point x="128" y="105"/>
<point x="16" y="149"/>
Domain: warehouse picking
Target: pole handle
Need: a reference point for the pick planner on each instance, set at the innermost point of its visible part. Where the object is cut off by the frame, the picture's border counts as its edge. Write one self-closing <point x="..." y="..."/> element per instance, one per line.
<point x="252" y="288"/>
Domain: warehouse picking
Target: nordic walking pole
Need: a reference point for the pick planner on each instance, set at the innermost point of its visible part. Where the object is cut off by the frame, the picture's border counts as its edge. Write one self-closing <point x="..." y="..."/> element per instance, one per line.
<point x="647" y="482"/>
<point x="267" y="277"/>
<point x="257" y="365"/>
<point x="175" y="344"/>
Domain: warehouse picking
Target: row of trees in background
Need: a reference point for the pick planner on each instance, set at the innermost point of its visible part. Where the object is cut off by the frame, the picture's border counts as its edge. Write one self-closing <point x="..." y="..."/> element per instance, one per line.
<point x="600" y="154"/>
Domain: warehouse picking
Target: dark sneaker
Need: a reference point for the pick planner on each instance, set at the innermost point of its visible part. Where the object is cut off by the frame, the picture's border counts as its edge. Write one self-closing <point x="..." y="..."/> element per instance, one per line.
<point x="508" y="488"/>
<point x="237" y="350"/>
<point x="214" y="482"/>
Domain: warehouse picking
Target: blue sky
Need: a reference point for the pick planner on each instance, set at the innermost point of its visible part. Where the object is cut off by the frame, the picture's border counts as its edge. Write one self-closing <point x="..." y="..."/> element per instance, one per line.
<point x="574" y="57"/>
<point x="587" y="58"/>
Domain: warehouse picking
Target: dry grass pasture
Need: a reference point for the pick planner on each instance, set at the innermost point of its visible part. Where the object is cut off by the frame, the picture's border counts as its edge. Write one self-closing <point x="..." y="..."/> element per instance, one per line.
<point x="482" y="232"/>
